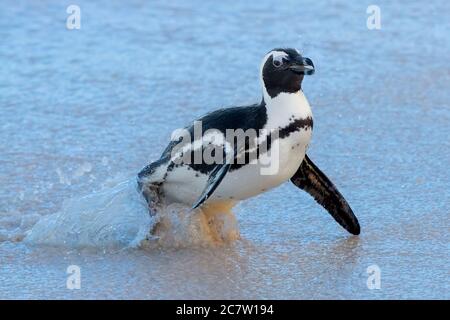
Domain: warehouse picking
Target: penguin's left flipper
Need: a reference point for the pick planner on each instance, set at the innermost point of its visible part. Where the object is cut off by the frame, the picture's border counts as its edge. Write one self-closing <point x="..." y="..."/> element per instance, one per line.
<point x="215" y="177"/>
<point x="309" y="178"/>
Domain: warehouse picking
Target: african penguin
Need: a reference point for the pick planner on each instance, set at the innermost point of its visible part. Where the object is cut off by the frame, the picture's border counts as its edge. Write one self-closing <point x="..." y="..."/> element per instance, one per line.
<point x="202" y="165"/>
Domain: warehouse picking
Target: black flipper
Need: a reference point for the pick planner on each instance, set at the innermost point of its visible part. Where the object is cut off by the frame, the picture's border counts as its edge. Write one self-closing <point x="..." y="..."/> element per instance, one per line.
<point x="216" y="176"/>
<point x="309" y="178"/>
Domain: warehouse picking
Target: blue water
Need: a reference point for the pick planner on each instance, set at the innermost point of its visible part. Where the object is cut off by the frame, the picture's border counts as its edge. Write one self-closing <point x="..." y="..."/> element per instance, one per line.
<point x="83" y="109"/>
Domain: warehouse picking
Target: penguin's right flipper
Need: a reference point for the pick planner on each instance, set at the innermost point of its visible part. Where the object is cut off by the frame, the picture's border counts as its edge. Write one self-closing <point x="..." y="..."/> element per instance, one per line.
<point x="215" y="178"/>
<point x="312" y="180"/>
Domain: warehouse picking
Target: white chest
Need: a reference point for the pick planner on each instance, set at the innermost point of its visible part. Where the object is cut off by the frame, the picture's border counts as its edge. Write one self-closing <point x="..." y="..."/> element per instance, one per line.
<point x="284" y="113"/>
<point x="285" y="107"/>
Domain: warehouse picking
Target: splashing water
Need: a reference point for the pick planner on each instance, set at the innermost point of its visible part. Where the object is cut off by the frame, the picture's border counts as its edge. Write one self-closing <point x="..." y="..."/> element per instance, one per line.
<point x="179" y="226"/>
<point x="118" y="216"/>
<point x="113" y="216"/>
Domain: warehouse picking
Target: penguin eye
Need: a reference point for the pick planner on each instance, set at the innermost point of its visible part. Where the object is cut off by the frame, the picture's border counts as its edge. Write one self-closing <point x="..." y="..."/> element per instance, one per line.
<point x="277" y="62"/>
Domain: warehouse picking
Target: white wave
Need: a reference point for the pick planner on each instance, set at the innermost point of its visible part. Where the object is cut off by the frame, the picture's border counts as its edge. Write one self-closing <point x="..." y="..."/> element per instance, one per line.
<point x="114" y="216"/>
<point x="118" y="216"/>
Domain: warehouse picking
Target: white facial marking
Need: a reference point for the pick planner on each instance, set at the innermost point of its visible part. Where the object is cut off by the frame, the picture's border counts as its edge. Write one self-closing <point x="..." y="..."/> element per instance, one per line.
<point x="275" y="55"/>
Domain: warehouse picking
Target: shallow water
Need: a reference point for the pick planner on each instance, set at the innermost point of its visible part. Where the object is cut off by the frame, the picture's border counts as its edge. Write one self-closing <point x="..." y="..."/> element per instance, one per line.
<point x="85" y="109"/>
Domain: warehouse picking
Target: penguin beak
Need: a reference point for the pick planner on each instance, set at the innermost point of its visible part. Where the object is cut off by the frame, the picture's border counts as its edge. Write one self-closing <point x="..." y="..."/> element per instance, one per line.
<point x="302" y="66"/>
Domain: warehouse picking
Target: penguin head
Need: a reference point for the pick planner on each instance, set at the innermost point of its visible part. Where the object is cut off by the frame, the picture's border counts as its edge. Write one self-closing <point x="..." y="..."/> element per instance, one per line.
<point x="282" y="70"/>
